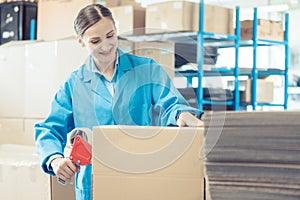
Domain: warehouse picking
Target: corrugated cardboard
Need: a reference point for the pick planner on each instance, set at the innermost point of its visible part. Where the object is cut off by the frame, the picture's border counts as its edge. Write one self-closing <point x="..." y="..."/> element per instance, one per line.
<point x="39" y="65"/>
<point x="20" y="174"/>
<point x="184" y="16"/>
<point x="59" y="191"/>
<point x="129" y="19"/>
<point x="48" y="64"/>
<point x="266" y="29"/>
<point x="56" y="18"/>
<point x="217" y="19"/>
<point x="160" y="51"/>
<point x="264" y="91"/>
<point x="12" y="80"/>
<point x="132" y="162"/>
<point x="169" y="17"/>
<point x="257" y="156"/>
<point x="113" y="3"/>
<point x="11" y="131"/>
<point x="17" y="131"/>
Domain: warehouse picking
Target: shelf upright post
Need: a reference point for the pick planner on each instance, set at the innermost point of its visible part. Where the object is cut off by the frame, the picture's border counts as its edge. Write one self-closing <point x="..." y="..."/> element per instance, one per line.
<point x="286" y="60"/>
<point x="200" y="55"/>
<point x="236" y="68"/>
<point x="254" y="69"/>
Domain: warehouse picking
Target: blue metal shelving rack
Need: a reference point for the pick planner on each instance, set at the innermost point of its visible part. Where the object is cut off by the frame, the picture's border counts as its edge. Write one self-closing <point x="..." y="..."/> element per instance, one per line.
<point x="255" y="72"/>
<point x="201" y="37"/>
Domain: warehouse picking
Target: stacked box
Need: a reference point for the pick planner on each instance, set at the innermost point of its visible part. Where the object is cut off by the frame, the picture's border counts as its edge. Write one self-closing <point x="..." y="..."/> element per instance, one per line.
<point x="60" y="24"/>
<point x="21" y="176"/>
<point x="161" y="51"/>
<point x="184" y="16"/>
<point x="129" y="19"/>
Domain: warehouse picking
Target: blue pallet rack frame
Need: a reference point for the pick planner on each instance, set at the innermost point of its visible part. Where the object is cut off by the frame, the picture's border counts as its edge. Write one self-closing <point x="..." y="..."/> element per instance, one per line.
<point x="255" y="72"/>
<point x="200" y="59"/>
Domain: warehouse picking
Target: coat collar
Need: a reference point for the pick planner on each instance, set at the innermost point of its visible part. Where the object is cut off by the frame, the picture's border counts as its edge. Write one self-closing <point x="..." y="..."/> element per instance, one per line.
<point x="96" y="85"/>
<point x="124" y="65"/>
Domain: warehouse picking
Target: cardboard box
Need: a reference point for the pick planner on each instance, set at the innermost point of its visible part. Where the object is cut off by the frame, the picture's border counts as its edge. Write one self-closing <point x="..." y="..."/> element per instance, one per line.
<point x="55" y="18"/>
<point x="12" y="79"/>
<point x="184" y="16"/>
<point x="217" y="19"/>
<point x="59" y="191"/>
<point x="11" y="131"/>
<point x="48" y="64"/>
<point x="266" y="29"/>
<point x="129" y="19"/>
<point x="160" y="51"/>
<point x="114" y="3"/>
<point x="39" y="65"/>
<point x="136" y="162"/>
<point x="264" y="91"/>
<point x="169" y="17"/>
<point x="21" y="176"/>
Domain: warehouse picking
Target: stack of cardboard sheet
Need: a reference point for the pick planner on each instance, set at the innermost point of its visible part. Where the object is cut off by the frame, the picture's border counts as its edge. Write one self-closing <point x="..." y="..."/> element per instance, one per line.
<point x="253" y="155"/>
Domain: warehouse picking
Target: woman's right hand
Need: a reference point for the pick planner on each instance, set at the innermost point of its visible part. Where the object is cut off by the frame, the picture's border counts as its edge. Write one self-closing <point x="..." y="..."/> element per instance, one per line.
<point x="64" y="168"/>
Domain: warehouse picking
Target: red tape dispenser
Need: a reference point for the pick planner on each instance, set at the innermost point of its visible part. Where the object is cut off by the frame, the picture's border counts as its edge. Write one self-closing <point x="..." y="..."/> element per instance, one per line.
<point x="81" y="151"/>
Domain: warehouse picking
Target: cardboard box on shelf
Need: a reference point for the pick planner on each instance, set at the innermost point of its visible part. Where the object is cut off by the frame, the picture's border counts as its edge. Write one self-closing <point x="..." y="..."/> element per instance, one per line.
<point x="264" y="91"/>
<point x="113" y="3"/>
<point x="129" y="19"/>
<point x="217" y="19"/>
<point x="21" y="176"/>
<point x="60" y="24"/>
<point x="169" y="17"/>
<point x="147" y="163"/>
<point x="160" y="51"/>
<point x="184" y="16"/>
<point x="266" y="29"/>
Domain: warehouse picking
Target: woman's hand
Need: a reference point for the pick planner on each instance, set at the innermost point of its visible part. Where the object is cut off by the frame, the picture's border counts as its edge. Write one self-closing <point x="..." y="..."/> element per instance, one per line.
<point x="187" y="119"/>
<point x="64" y="168"/>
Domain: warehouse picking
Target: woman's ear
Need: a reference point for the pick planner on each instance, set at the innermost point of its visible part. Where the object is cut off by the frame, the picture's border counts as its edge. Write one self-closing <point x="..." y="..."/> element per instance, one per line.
<point x="80" y="41"/>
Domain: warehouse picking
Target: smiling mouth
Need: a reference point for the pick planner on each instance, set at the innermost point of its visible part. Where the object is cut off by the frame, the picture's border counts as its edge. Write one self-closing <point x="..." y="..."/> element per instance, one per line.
<point x="106" y="52"/>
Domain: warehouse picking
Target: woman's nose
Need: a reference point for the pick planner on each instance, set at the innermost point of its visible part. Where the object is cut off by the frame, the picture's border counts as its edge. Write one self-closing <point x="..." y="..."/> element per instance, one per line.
<point x="105" y="45"/>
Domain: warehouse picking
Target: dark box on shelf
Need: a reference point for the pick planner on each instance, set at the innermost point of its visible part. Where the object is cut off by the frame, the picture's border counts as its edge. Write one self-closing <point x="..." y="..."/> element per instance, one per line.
<point x="18" y="21"/>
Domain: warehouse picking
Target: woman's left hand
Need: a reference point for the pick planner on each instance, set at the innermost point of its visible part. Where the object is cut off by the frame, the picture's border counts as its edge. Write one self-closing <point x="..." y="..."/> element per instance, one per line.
<point x="187" y="119"/>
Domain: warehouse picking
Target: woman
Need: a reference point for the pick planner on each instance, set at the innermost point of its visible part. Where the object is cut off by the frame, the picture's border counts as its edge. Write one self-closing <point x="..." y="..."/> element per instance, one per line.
<point x="111" y="87"/>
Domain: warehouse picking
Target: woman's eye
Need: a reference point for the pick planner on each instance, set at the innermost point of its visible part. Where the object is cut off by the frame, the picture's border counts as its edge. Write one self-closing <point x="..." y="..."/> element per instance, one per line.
<point x="110" y="36"/>
<point x="95" y="41"/>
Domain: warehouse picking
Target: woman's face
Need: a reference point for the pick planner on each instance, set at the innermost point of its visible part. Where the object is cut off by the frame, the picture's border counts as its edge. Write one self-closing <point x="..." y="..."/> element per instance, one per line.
<point x="101" y="41"/>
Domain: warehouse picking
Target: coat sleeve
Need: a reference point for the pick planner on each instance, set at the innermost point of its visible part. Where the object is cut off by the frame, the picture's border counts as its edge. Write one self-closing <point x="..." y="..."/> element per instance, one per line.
<point x="168" y="101"/>
<point x="51" y="134"/>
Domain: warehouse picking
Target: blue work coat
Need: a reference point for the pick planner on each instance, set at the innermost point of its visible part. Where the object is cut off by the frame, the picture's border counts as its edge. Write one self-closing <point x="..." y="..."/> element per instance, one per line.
<point x="144" y="95"/>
